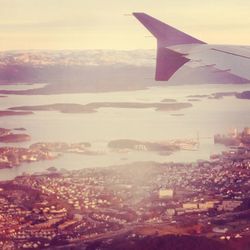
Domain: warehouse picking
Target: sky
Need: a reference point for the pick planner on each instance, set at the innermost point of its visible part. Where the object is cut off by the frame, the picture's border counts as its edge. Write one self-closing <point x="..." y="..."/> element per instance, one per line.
<point x="104" y="24"/>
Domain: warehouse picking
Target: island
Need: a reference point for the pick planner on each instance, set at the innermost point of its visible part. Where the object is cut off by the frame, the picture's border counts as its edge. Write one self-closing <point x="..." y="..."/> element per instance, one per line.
<point x="219" y="95"/>
<point x="61" y="107"/>
<point x="11" y="113"/>
<point x="7" y="136"/>
<point x="243" y="95"/>
<point x="15" y="138"/>
<point x="93" y="107"/>
<point x="162" y="148"/>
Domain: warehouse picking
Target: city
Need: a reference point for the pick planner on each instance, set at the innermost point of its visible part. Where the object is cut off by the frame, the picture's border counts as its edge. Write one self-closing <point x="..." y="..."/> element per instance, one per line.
<point x="206" y="198"/>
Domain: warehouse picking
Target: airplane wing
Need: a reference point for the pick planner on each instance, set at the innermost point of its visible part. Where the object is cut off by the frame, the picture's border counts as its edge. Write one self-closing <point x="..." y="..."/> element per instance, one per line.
<point x="175" y="48"/>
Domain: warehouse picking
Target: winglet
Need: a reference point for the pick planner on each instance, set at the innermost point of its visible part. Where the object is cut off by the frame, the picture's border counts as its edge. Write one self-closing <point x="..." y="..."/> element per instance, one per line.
<point x="165" y="34"/>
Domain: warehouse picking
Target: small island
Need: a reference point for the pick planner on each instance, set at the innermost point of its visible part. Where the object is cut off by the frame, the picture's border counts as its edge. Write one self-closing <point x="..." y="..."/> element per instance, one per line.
<point x="220" y="95"/>
<point x="168" y="100"/>
<point x="177" y="114"/>
<point x="20" y="129"/>
<point x="197" y="96"/>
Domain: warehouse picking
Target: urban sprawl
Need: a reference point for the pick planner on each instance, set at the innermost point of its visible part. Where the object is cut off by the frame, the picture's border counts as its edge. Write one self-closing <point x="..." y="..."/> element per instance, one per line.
<point x="205" y="198"/>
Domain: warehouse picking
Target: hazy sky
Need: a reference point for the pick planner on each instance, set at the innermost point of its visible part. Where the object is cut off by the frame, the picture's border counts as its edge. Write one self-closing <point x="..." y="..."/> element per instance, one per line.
<point x="101" y="24"/>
